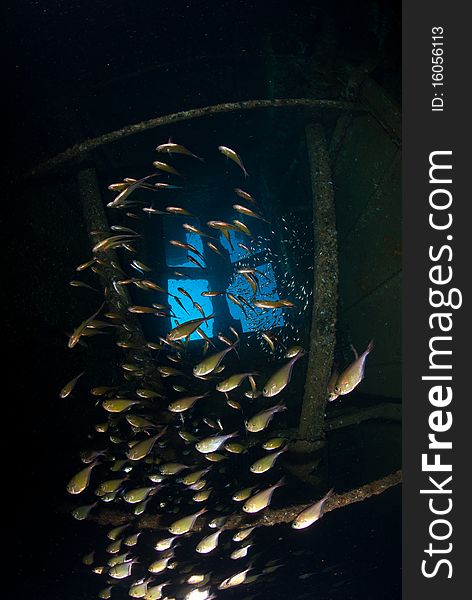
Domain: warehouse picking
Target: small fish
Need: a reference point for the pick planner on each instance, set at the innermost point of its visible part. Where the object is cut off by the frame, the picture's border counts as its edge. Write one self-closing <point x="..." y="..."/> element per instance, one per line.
<point x="122" y="570"/>
<point x="193" y="229"/>
<point x="165" y="543"/>
<point x="294" y="351"/>
<point x="82" y="512"/>
<point x="253" y="282"/>
<point x="140" y="266"/>
<point x="208" y="543"/>
<point x="225" y="228"/>
<point x="204" y="336"/>
<point x="240" y="552"/>
<point x="245" y="195"/>
<point x="200" y="309"/>
<point x="143" y="448"/>
<point x="188" y="247"/>
<point x="172" y="148"/>
<point x="118" y="405"/>
<point x="215" y="249"/>
<point x="267" y="462"/>
<point x="123" y="229"/>
<point x="153" y="211"/>
<point x="261" y="499"/>
<point x="80" y="481"/>
<point x="143" y="310"/>
<point x="273" y="303"/>
<point x="162" y="166"/>
<point x="172" y="468"/>
<point x="68" y="388"/>
<point x="112" y="242"/>
<point x="268" y="337"/>
<point x="198" y="578"/>
<point x="183" y="404"/>
<point x="235" y="301"/>
<point x="195" y="262"/>
<point x="233" y="382"/>
<point x="212" y="443"/>
<point x="260" y="421"/>
<point x="212" y="362"/>
<point x="234" y="157"/>
<point x="186" y="329"/>
<point x="243" y="228"/>
<point x="215" y="457"/>
<point x="243" y="494"/>
<point x="116" y="532"/>
<point x="138" y="589"/>
<point x="155" y="592"/>
<point x="281" y="378"/>
<point x="233" y="404"/>
<point x="160" y="565"/>
<point x="245" y="248"/>
<point x="236" y="579"/>
<point x="192" y="478"/>
<point x="145" y="393"/>
<point x="131" y="540"/>
<point x="177" y="210"/>
<point x="179" y="302"/>
<point x="248" y="212"/>
<point x="185" y="293"/>
<point x="185" y="524"/>
<point x="353" y="374"/>
<point x="138" y="494"/>
<point x="235" y="448"/>
<point x="274" y="443"/>
<point x="211" y="294"/>
<point x="109" y="487"/>
<point x="311" y="514"/>
<point x="86" y="265"/>
<point x="82" y="284"/>
<point x="242" y="534"/>
<point x="79" y="331"/>
<point x="127" y="188"/>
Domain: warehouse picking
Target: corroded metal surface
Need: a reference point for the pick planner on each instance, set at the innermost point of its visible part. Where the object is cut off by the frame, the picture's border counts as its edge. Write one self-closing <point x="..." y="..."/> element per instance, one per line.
<point x="78" y="150"/>
<point x="325" y="288"/>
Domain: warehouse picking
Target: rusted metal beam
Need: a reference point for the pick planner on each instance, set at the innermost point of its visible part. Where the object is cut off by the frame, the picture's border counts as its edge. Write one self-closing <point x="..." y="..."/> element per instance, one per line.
<point x="96" y="221"/>
<point x="107" y="517"/>
<point x="325" y="288"/>
<point x="79" y="150"/>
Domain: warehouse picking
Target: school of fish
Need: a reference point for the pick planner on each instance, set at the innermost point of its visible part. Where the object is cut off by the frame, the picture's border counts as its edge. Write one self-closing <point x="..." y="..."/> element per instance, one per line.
<point x="175" y="420"/>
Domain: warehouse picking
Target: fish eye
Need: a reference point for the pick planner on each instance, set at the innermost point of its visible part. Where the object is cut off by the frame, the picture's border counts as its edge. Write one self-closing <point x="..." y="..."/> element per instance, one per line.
<point x="337" y="389"/>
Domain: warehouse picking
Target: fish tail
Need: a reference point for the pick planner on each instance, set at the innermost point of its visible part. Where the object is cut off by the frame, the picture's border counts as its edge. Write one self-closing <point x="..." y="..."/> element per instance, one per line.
<point x="370" y="347"/>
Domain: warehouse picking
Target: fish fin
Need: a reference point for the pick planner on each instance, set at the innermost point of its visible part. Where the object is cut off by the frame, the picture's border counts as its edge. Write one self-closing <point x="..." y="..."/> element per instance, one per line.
<point x="370" y="347"/>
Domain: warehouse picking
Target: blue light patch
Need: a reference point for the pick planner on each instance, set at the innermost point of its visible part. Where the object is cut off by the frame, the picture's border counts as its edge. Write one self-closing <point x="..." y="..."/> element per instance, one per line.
<point x="257" y="319"/>
<point x="194" y="287"/>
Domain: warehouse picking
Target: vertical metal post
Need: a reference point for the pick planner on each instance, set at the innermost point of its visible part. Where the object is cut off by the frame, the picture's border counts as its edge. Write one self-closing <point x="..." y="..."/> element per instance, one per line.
<point x="325" y="288"/>
<point x="96" y="220"/>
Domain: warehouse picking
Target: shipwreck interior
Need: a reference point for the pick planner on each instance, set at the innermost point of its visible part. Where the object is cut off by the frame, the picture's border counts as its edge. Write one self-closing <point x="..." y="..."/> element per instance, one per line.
<point x="313" y="107"/>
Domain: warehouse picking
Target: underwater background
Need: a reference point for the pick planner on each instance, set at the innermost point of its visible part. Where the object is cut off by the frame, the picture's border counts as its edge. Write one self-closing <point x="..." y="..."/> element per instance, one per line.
<point x="82" y="69"/>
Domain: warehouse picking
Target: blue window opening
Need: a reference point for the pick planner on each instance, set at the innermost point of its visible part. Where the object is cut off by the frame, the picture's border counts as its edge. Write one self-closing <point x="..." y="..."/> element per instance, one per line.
<point x="252" y="320"/>
<point x="194" y="287"/>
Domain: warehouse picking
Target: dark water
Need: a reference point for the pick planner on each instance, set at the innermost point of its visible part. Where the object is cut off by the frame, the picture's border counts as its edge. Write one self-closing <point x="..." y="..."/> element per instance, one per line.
<point x="80" y="69"/>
